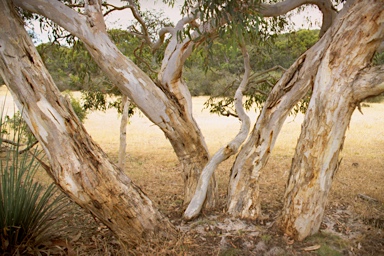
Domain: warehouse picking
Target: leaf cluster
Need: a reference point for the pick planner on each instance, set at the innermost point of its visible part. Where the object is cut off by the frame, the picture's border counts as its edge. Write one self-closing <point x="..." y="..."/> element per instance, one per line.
<point x="226" y="69"/>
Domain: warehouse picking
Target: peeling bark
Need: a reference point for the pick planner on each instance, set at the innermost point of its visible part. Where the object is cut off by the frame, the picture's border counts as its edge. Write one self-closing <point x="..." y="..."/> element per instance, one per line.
<point x="339" y="87"/>
<point x="170" y="80"/>
<point x="196" y="204"/>
<point x="78" y="165"/>
<point x="243" y="190"/>
<point x="166" y="104"/>
<point x="171" y="98"/>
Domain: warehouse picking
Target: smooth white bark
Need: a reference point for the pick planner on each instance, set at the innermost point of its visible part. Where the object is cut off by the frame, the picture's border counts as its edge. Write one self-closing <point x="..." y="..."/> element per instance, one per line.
<point x="243" y="189"/>
<point x="196" y="204"/>
<point x="123" y="131"/>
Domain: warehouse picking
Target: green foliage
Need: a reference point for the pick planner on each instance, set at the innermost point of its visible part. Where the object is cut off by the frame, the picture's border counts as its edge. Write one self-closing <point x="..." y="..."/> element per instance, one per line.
<point x="215" y="68"/>
<point x="72" y="68"/>
<point x="29" y="213"/>
<point x="236" y="22"/>
<point x="80" y="111"/>
<point x="288" y="47"/>
<point x="241" y="18"/>
<point x="17" y="123"/>
<point x="96" y="100"/>
<point x="55" y="58"/>
<point x="226" y="70"/>
<point x="378" y="59"/>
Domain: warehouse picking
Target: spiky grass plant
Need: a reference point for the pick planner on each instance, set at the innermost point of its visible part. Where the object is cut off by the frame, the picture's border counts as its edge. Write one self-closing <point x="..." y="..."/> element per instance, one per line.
<point x="30" y="214"/>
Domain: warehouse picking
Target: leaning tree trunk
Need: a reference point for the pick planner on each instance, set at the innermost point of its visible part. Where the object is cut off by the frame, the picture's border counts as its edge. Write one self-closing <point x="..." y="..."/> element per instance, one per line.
<point x="243" y="191"/>
<point x="343" y="80"/>
<point x="78" y="165"/>
<point x="165" y="108"/>
<point x="196" y="204"/>
<point x="170" y="80"/>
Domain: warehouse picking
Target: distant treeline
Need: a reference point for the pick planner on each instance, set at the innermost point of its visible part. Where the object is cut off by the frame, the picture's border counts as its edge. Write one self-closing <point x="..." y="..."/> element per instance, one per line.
<point x="209" y="71"/>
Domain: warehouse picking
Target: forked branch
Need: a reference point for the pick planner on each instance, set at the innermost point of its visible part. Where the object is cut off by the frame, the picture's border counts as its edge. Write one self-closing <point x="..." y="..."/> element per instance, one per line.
<point x="196" y="204"/>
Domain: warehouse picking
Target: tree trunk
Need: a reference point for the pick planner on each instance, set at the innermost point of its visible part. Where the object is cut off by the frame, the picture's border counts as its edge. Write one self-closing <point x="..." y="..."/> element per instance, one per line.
<point x="243" y="191"/>
<point x="168" y="109"/>
<point x="195" y="159"/>
<point x="78" y="165"/>
<point x="338" y="89"/>
<point x="196" y="204"/>
<point x="123" y="131"/>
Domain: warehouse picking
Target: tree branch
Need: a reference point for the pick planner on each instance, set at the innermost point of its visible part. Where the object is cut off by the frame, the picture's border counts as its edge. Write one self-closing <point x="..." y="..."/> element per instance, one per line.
<point x="141" y="59"/>
<point x="59" y="13"/>
<point x="196" y="204"/>
<point x="137" y="15"/>
<point x="95" y="17"/>
<point x="29" y="147"/>
<point x="162" y="34"/>
<point x="114" y="8"/>
<point x="281" y="8"/>
<point x="370" y="82"/>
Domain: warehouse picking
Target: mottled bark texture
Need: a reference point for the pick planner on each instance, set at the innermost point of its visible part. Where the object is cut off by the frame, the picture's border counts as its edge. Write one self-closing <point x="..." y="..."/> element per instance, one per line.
<point x="304" y="74"/>
<point x="167" y="104"/>
<point x="338" y="88"/>
<point x="78" y="165"/>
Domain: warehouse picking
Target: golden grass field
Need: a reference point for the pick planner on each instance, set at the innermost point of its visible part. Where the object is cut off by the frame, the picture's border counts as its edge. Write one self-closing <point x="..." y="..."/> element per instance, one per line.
<point x="152" y="164"/>
<point x="361" y="171"/>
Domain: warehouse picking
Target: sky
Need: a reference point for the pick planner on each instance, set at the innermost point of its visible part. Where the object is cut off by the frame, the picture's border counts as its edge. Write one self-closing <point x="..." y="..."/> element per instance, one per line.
<point x="121" y="18"/>
<point x="308" y="19"/>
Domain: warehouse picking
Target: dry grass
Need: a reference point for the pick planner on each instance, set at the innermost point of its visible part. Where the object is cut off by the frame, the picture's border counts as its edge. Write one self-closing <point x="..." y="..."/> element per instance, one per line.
<point x="152" y="164"/>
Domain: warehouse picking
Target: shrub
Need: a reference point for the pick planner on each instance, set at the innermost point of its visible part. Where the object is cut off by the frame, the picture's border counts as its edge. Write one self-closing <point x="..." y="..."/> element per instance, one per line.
<point x="29" y="213"/>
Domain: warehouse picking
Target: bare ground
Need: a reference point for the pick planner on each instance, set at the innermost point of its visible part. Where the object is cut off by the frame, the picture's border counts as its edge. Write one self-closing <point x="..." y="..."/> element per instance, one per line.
<point x="354" y="220"/>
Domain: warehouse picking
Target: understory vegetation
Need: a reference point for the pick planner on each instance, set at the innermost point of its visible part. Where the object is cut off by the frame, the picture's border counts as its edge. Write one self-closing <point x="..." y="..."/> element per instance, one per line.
<point x="31" y="213"/>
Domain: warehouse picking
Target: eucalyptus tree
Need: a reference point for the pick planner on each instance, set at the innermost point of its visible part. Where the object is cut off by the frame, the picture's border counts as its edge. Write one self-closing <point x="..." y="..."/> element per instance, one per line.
<point x="338" y="69"/>
<point x="84" y="172"/>
<point x="78" y="165"/>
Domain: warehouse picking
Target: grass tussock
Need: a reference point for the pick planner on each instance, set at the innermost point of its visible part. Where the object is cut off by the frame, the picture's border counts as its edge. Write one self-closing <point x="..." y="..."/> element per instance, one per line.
<point x="31" y="214"/>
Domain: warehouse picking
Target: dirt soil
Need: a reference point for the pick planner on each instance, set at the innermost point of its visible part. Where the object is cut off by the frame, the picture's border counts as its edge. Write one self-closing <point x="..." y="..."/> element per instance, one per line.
<point x="353" y="223"/>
